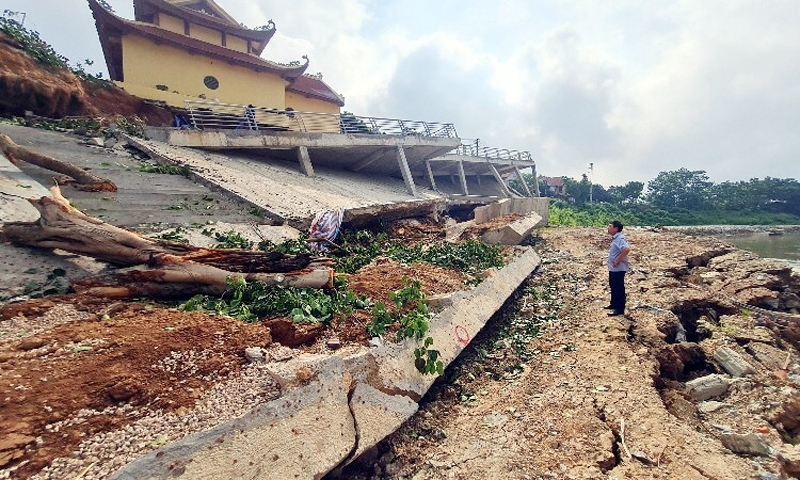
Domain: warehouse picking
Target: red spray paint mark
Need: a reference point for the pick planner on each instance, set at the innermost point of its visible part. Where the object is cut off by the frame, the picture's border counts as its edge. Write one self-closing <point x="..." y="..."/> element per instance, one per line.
<point x="462" y="335"/>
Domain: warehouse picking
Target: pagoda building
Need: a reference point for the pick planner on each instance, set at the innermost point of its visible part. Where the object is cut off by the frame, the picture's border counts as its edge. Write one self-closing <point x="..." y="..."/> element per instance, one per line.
<point x="178" y="50"/>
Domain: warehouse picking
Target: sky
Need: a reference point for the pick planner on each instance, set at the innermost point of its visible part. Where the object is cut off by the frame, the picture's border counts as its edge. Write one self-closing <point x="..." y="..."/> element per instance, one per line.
<point x="618" y="90"/>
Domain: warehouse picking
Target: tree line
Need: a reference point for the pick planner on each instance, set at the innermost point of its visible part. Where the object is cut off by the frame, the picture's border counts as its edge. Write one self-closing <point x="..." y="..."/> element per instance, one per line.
<point x="679" y="197"/>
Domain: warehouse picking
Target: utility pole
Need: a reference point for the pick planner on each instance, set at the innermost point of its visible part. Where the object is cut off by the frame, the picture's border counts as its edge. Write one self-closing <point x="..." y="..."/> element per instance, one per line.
<point x="591" y="183"/>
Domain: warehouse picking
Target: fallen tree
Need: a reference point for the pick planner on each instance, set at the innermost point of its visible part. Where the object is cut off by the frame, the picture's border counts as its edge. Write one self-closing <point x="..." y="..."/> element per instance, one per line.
<point x="156" y="267"/>
<point x="88" y="182"/>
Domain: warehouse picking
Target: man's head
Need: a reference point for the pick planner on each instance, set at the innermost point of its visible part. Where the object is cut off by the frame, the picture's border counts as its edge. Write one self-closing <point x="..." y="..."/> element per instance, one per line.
<point x="615" y="227"/>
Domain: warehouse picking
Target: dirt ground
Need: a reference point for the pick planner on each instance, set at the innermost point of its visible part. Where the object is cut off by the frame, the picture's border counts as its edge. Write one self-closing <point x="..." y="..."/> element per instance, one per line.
<point x="64" y="355"/>
<point x="554" y="388"/>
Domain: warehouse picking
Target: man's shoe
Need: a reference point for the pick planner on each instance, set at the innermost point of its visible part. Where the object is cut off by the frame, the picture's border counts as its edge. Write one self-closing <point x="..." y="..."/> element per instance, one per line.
<point x="608" y="307"/>
<point x="615" y="313"/>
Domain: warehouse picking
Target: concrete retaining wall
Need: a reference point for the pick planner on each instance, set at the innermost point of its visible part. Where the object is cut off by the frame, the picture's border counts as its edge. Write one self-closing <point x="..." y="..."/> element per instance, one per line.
<point x="349" y="405"/>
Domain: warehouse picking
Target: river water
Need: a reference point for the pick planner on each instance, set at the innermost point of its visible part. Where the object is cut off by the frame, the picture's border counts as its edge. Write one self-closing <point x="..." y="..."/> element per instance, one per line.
<point x="786" y="246"/>
<point x="778" y="242"/>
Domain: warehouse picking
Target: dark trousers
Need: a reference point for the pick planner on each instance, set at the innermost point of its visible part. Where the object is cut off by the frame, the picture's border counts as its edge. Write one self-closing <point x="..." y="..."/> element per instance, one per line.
<point x="616" y="280"/>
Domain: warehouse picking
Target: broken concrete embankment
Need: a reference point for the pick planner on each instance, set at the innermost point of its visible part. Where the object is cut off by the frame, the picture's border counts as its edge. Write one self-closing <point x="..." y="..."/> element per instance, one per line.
<point x="348" y="405"/>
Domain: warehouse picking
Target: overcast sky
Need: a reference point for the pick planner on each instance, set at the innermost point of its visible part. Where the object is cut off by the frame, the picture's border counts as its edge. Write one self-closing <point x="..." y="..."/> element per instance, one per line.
<point x="634" y="87"/>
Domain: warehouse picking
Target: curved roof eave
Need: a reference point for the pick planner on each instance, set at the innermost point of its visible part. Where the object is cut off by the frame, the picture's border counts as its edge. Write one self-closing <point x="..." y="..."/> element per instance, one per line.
<point x="104" y="18"/>
<point x="261" y="36"/>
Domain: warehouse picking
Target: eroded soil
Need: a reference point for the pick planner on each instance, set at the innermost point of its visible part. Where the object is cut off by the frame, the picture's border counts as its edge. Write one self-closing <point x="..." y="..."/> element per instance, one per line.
<point x="592" y="396"/>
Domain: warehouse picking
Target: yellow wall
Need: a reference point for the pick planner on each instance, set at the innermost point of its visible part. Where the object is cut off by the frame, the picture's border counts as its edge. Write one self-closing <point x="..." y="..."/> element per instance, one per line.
<point x="205" y="34"/>
<point x="304" y="104"/>
<point x="168" y="22"/>
<point x="235" y="43"/>
<point x="147" y="64"/>
<point x="315" y="124"/>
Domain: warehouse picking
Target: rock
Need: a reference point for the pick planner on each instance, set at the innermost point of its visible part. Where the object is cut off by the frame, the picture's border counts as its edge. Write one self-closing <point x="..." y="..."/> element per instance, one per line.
<point x="710" y="406"/>
<point x="254" y="354"/>
<point x="290" y="334"/>
<point x="707" y="387"/>
<point x="30" y="343"/>
<point x="676" y="359"/>
<point x="732" y="362"/>
<point x="749" y="444"/>
<point x="439" y="301"/>
<point x="494" y="420"/>
<point x="96" y="142"/>
<point x="789" y="458"/>
<point x="123" y="390"/>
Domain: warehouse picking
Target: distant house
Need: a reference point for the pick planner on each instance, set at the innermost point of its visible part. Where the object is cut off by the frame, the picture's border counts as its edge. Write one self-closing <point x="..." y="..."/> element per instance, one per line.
<point x="178" y="50"/>
<point x="554" y="186"/>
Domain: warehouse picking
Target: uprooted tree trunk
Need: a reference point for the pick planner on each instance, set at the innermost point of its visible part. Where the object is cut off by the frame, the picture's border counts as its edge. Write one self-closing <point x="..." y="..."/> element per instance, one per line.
<point x="88" y="182"/>
<point x="160" y="268"/>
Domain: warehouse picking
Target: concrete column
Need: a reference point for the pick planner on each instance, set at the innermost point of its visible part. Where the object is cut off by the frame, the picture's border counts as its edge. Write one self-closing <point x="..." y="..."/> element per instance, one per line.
<point x="401" y="160"/>
<point x="462" y="177"/>
<point x="522" y="181"/>
<point x="305" y="160"/>
<point x="499" y="179"/>
<point x="535" y="182"/>
<point x="430" y="174"/>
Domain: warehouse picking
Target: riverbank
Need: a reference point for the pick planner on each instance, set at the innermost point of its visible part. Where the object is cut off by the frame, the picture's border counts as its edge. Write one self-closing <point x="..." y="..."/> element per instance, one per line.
<point x="725" y="230"/>
<point x="556" y="389"/>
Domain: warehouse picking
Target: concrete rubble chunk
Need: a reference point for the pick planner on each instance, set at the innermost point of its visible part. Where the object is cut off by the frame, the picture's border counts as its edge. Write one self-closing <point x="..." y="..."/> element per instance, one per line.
<point x="513" y="233"/>
<point x="707" y="387"/>
<point x="710" y="406"/>
<point x="254" y="354"/>
<point x="749" y="444"/>
<point x="521" y="206"/>
<point x="732" y="362"/>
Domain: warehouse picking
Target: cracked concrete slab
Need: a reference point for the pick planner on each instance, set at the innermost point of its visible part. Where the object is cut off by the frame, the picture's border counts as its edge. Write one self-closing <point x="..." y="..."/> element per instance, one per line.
<point x="279" y="440"/>
<point x="333" y="408"/>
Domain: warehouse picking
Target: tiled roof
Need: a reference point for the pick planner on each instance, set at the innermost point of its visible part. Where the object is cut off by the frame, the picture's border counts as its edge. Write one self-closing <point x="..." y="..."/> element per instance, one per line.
<point x="261" y="37"/>
<point x="106" y="20"/>
<point x="555" y="182"/>
<point x="314" y="87"/>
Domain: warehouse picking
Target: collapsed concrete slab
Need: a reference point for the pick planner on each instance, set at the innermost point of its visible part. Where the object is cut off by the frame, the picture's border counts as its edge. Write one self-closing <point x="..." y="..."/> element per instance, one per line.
<point x="300" y="435"/>
<point x="513" y="233"/>
<point x="518" y="205"/>
<point x="333" y="409"/>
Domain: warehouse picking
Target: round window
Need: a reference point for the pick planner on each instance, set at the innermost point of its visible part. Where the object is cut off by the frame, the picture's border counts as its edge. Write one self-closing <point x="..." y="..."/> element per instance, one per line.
<point x="211" y="82"/>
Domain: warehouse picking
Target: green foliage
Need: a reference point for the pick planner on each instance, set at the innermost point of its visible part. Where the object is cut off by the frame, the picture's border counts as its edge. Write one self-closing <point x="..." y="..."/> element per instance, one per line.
<point x="292" y="246"/>
<point x="229" y="239"/>
<point x="381" y="320"/>
<point x="251" y="301"/>
<point x="55" y="283"/>
<point x="31" y="43"/>
<point x="39" y="50"/>
<point x="680" y="188"/>
<point x="427" y="360"/>
<point x="599" y="215"/>
<point x="176" y="235"/>
<point x="182" y="170"/>
<point x="361" y="247"/>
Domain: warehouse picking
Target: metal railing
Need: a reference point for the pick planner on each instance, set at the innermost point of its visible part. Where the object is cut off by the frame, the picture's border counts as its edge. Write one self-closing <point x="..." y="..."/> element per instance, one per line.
<point x="473" y="148"/>
<point x="214" y="115"/>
